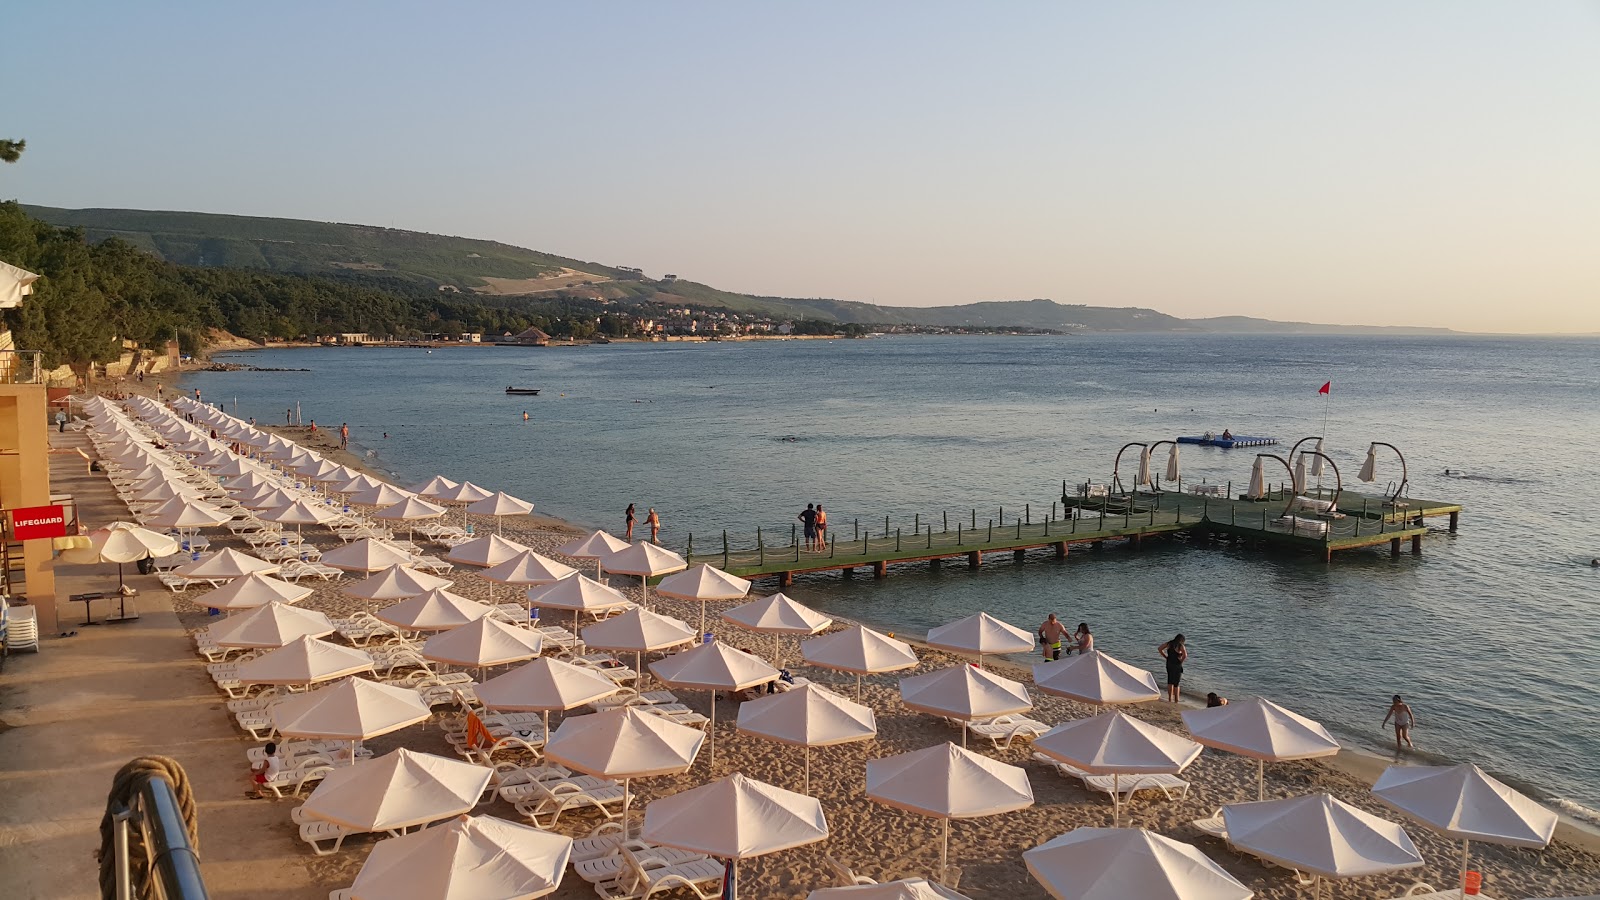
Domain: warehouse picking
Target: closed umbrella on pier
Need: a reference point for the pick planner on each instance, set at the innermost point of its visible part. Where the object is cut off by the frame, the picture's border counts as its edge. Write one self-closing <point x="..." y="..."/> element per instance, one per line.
<point x="1369" y="468"/>
<point x="1117" y="744"/>
<point x="859" y="651"/>
<point x="1261" y="730"/>
<point x="703" y="583"/>
<point x="808" y="716"/>
<point x="777" y="615"/>
<point x="1119" y="863"/>
<point x="1300" y="473"/>
<point x="596" y="546"/>
<point x="645" y="560"/>
<point x="252" y="591"/>
<point x="1258" y="480"/>
<point x="980" y="635"/>
<point x="1316" y="461"/>
<point x="1098" y="678"/>
<point x="1174" y="472"/>
<point x="500" y="505"/>
<point x="476" y="857"/>
<point x="964" y="692"/>
<point x="543" y="685"/>
<point x="1144" y="467"/>
<point x="713" y="667"/>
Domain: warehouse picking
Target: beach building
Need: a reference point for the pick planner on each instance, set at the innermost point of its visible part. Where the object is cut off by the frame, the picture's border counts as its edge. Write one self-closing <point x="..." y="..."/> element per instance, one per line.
<point x="533" y="337"/>
<point x="25" y="550"/>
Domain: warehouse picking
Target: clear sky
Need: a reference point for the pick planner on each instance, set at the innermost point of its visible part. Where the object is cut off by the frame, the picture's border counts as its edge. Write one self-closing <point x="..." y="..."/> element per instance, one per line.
<point x="1430" y="163"/>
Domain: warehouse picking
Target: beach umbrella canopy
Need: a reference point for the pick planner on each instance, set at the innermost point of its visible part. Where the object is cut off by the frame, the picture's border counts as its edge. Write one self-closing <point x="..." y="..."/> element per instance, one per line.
<point x="980" y="635"/>
<point x="396" y="791"/>
<point x="808" y="716"/>
<point x="1118" y="863"/>
<point x="1117" y="744"/>
<point x="354" y="709"/>
<point x="322" y="470"/>
<point x="1174" y="471"/>
<point x="499" y="504"/>
<point x="777" y="615"/>
<point x="490" y="550"/>
<point x="381" y="495"/>
<point x="270" y="499"/>
<point x="339" y="475"/>
<point x="225" y="564"/>
<point x="645" y="560"/>
<point x="437" y="610"/>
<point x="1258" y="480"/>
<point x="463" y="493"/>
<point x="410" y="509"/>
<point x="1316" y="461"/>
<point x="543" y="685"/>
<point x="253" y="590"/>
<point x="597" y="546"/>
<point x="470" y="857"/>
<point x="435" y="486"/>
<point x="182" y="514"/>
<point x="527" y="568"/>
<point x="905" y="889"/>
<point x="1320" y="834"/>
<point x="1300" y="473"/>
<point x="246" y="482"/>
<point x="948" y="782"/>
<point x="301" y="512"/>
<point x="703" y="583"/>
<point x="1097" y="678"/>
<point x="1261" y="730"/>
<point x="578" y="592"/>
<point x="124" y="543"/>
<point x="272" y="625"/>
<point x="1369" y="468"/>
<point x="859" y="651"/>
<point x="304" y="660"/>
<point x="713" y="667"/>
<point x="483" y="643"/>
<point x="735" y="818"/>
<point x="366" y="555"/>
<point x="964" y="692"/>
<point x="355" y="484"/>
<point x="162" y="491"/>
<point x="395" y="583"/>
<point x="1144" y="467"/>
<point x="638" y="630"/>
<point x="624" y="744"/>
<point x="1466" y="803"/>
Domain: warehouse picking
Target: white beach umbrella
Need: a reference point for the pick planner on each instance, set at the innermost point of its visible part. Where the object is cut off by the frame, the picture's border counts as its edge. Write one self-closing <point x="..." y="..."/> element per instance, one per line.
<point x="225" y="564"/>
<point x="435" y="486"/>
<point x="1369" y="468"/>
<point x="713" y="667"/>
<point x="270" y="499"/>
<point x="465" y="492"/>
<point x="246" y="483"/>
<point x="1258" y="480"/>
<point x="366" y="555"/>
<point x="482" y="643"/>
<point x="397" y="791"/>
<point x="1300" y="473"/>
<point x="304" y="660"/>
<point x="354" y="709"/>
<point x="904" y="889"/>
<point x="638" y="630"/>
<point x="578" y="593"/>
<point x="322" y="470"/>
<point x="1119" y="863"/>
<point x="121" y="543"/>
<point x="980" y="635"/>
<point x="859" y="651"/>
<point x="1096" y="677"/>
<point x="596" y="546"/>
<point x="489" y="550"/>
<point x="300" y="513"/>
<point x="1320" y="834"/>
<point x="437" y="610"/>
<point x="624" y="744"/>
<point x="500" y="505"/>
<point x="1465" y="803"/>
<point x="355" y="484"/>
<point x="1261" y="730"/>
<point x="529" y="569"/>
<point x="467" y="858"/>
<point x="948" y="782"/>
<point x="381" y="495"/>
<point x="777" y="615"/>
<point x="807" y="716"/>
<point x="1316" y="461"/>
<point x="1174" y="471"/>
<point x="543" y="685"/>
<point x="238" y="468"/>
<point x="252" y="591"/>
<point x="964" y="692"/>
<point x="1144" y="467"/>
<point x="395" y="583"/>
<point x="411" y="509"/>
<point x="1117" y="744"/>
<point x="339" y="475"/>
<point x="273" y="625"/>
<point x="645" y="560"/>
<point x="162" y="491"/>
<point x="735" y="818"/>
<point x="703" y="583"/>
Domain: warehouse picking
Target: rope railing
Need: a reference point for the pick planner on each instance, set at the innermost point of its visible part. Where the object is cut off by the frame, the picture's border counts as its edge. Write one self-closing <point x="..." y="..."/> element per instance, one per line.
<point x="149" y="835"/>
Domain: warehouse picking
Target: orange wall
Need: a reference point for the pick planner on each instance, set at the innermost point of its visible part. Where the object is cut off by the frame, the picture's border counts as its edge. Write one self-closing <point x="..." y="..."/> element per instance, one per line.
<point x="25" y="481"/>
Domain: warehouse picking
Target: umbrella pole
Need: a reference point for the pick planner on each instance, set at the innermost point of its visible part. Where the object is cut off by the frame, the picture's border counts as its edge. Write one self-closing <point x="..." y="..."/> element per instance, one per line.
<point x="858" y="686"/>
<point x="712" y="736"/>
<point x="1461" y="884"/>
<point x="808" y="769"/>
<point x="944" y="853"/>
<point x="1261" y="779"/>
<point x="1116" y="799"/>
<point x="775" y="660"/>
<point x="644" y="591"/>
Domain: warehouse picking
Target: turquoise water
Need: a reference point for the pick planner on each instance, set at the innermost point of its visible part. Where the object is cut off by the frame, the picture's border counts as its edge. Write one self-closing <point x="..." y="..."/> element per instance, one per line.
<point x="1492" y="634"/>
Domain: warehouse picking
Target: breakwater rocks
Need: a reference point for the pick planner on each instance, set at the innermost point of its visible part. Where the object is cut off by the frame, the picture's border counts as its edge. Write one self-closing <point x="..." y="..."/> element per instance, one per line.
<point x="238" y="367"/>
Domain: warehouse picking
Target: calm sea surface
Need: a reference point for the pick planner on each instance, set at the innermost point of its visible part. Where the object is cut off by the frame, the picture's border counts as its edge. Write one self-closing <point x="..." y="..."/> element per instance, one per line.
<point x="1493" y="635"/>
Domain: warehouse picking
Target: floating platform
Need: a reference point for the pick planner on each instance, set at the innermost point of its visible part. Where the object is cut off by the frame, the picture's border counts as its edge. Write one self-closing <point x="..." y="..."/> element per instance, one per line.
<point x="1225" y="443"/>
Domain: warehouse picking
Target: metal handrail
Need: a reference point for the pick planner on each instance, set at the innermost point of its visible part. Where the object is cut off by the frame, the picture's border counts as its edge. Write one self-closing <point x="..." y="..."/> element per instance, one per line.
<point x="21" y="367"/>
<point x="173" y="862"/>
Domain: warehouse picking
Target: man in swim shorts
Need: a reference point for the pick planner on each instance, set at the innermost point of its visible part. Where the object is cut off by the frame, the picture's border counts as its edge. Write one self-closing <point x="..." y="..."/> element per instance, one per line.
<point x="809" y="518"/>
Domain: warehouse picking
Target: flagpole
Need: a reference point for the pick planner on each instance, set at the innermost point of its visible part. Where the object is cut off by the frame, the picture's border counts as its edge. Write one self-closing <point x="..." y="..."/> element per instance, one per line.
<point x="1325" y="406"/>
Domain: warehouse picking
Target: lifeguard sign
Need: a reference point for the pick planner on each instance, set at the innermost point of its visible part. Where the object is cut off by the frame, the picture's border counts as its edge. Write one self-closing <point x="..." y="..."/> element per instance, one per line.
<point x="34" y="522"/>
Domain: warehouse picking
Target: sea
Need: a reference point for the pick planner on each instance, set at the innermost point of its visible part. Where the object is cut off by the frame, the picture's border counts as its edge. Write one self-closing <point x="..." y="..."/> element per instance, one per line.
<point x="1492" y="634"/>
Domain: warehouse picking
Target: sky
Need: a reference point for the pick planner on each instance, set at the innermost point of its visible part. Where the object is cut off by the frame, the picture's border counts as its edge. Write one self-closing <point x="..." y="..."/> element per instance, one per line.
<point x="1427" y="163"/>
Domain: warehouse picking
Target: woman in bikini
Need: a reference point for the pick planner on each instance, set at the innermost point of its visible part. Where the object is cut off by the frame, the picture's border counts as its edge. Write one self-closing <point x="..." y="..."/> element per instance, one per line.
<point x="630" y="518"/>
<point x="1403" y="720"/>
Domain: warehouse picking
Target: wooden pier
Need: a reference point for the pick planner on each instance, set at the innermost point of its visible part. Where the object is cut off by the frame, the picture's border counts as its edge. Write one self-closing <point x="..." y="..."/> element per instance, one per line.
<point x="1127" y="519"/>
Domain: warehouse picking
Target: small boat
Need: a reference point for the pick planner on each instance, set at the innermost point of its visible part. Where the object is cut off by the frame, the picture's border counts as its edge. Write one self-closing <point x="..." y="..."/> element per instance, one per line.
<point x="1230" y="441"/>
<point x="525" y="391"/>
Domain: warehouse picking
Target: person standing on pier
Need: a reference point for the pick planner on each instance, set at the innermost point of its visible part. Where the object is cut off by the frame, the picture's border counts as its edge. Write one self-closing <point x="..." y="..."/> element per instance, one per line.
<point x="822" y="528"/>
<point x="809" y="518"/>
<point x="1051" y="633"/>
<point x="630" y="520"/>
<point x="1175" y="652"/>
<point x="654" y="521"/>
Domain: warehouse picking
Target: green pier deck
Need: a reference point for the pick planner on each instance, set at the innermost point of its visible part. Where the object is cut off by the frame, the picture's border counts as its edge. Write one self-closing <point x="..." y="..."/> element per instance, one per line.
<point x="1367" y="521"/>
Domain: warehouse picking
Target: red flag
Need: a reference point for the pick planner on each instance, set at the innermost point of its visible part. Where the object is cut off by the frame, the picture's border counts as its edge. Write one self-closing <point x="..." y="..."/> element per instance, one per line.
<point x="1325" y="387"/>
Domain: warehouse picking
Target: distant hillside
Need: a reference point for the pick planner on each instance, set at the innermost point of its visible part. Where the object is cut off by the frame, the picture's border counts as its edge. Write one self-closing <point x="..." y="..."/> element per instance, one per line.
<point x="1248" y="325"/>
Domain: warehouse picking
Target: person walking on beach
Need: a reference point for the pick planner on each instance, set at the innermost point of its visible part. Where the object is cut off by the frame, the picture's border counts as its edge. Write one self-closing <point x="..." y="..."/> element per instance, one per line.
<point x="1174" y="652"/>
<point x="822" y="528"/>
<point x="1400" y="711"/>
<point x="344" y="436"/>
<point x="1050" y="636"/>
<point x="630" y="518"/>
<point x="288" y="416"/>
<point x="809" y="518"/>
<point x="1082" y="639"/>
<point x="654" y="521"/>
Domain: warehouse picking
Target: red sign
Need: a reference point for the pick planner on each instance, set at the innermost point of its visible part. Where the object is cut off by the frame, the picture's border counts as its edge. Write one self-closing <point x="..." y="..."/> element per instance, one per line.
<point x="33" y="522"/>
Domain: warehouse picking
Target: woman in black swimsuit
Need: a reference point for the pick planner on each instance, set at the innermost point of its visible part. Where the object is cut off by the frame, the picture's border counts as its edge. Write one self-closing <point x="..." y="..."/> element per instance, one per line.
<point x="1174" y="652"/>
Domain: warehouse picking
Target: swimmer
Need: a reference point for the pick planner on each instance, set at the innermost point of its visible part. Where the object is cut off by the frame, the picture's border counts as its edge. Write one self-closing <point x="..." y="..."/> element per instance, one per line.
<point x="1594" y="563"/>
<point x="524" y="415"/>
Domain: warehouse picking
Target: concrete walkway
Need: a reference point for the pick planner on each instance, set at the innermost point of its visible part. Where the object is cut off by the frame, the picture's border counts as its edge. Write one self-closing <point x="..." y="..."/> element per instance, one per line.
<point x="82" y="707"/>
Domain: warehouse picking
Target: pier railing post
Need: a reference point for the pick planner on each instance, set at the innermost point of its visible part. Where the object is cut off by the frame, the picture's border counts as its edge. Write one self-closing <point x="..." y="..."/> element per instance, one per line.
<point x="991" y="532"/>
<point x="947" y="520"/>
<point x="1019" y="529"/>
<point x="885" y="526"/>
<point x="1002" y="515"/>
<point x="974" y="518"/>
<point x="897" y="540"/>
<point x="1027" y="513"/>
<point x="930" y="535"/>
<point x="794" y="536"/>
<point x="858" y="528"/>
<point x="761" y="548"/>
<point x="688" y="552"/>
<point x="916" y="522"/>
<point x="864" y="539"/>
<point x="958" y="534"/>
<point x="724" y="548"/>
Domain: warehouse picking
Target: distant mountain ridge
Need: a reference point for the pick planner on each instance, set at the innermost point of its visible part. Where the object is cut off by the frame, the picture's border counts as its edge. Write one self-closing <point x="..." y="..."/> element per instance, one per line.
<point x="486" y="267"/>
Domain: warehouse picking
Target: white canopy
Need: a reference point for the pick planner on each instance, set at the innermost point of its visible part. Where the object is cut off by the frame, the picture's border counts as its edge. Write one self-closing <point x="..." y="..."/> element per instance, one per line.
<point x="1261" y="730"/>
<point x="577" y="592"/>
<point x="500" y="503"/>
<point x="703" y="583"/>
<point x="181" y="512"/>
<point x="124" y="544"/>
<point x="365" y="555"/>
<point x="409" y="509"/>
<point x="947" y="782"/>
<point x="489" y="550"/>
<point x="980" y="635"/>
<point x="777" y="615"/>
<point x="304" y="660"/>
<point x="355" y="484"/>
<point x="465" y="492"/>
<point x="300" y="512"/>
<point x="638" y="630"/>
<point x="1121" y="863"/>
<point x="645" y="560"/>
<point x="269" y="498"/>
<point x="253" y="590"/>
<point x="527" y="568"/>
<point x="397" y="790"/>
<point x="905" y="889"/>
<point x="381" y="494"/>
<point x="484" y="642"/>
<point x="15" y="284"/>
<point x="964" y="692"/>
<point x="598" y="545"/>
<point x="1117" y="744"/>
<point x="1258" y="480"/>
<point x="859" y="651"/>
<point x="272" y="625"/>
<point x="543" y="685"/>
<point x="809" y="716"/>
<point x="470" y="857"/>
<point x="351" y="710"/>
<point x="713" y="667"/>
<point x="395" y="583"/>
<point x="624" y="743"/>
<point x="735" y="818"/>
<point x="1320" y="834"/>
<point x="1097" y="678"/>
<point x="437" y="610"/>
<point x="164" y="491"/>
<point x="225" y="564"/>
<point x="435" y="486"/>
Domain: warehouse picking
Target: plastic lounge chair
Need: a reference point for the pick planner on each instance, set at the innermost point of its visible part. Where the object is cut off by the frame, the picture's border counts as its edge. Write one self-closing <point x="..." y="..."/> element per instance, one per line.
<point x="22" y="629"/>
<point x="297" y="778"/>
<point x="641" y="879"/>
<point x="1127" y="785"/>
<point x="843" y="875"/>
<point x="630" y="697"/>
<point x="1424" y="891"/>
<point x="1003" y="730"/>
<point x="608" y="867"/>
<point x="553" y="799"/>
<point x="1213" y="826"/>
